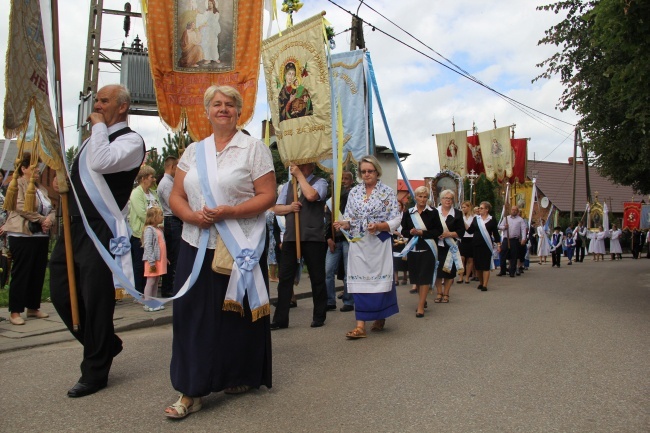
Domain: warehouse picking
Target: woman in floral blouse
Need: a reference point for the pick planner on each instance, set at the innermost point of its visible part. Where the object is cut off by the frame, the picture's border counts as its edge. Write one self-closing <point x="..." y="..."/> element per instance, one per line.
<point x="371" y="215"/>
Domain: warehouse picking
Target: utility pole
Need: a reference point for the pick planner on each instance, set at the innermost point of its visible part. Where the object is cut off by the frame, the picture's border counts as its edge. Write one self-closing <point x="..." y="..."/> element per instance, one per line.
<point x="585" y="159"/>
<point x="356" y="38"/>
<point x="93" y="51"/>
<point x="575" y="162"/>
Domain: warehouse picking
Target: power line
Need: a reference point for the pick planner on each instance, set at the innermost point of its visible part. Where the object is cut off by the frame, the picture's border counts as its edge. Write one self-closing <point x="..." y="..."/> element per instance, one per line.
<point x="519" y="105"/>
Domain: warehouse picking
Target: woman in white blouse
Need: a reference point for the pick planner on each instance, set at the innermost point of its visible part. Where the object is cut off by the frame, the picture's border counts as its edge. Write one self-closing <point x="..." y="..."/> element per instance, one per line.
<point x="215" y="350"/>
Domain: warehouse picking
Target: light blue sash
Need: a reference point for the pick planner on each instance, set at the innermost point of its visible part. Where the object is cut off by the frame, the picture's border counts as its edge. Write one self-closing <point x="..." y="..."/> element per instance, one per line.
<point x="246" y="278"/>
<point x="454" y="253"/>
<point x="486" y="238"/>
<point x="121" y="265"/>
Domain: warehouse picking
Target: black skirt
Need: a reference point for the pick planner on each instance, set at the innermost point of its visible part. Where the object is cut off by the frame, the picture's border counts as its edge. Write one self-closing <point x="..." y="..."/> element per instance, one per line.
<point x="421" y="266"/>
<point x="466" y="249"/>
<point x="214" y="349"/>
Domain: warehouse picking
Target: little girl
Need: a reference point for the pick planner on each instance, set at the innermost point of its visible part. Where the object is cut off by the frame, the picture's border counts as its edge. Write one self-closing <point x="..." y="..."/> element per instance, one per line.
<point x="155" y="252"/>
<point x="569" y="245"/>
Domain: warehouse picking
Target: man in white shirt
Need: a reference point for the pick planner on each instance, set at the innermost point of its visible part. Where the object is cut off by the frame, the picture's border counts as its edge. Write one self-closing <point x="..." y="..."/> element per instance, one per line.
<point x="116" y="152"/>
<point x="514" y="230"/>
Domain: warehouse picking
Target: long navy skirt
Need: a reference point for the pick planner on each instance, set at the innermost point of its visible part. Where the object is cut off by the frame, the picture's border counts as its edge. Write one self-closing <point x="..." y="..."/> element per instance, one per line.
<point x="214" y="349"/>
<point x="375" y="306"/>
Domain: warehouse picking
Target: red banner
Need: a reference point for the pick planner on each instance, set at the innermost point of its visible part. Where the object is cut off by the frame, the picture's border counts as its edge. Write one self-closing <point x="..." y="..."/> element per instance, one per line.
<point x="631" y="215"/>
<point x="519" y="160"/>
<point x="474" y="157"/>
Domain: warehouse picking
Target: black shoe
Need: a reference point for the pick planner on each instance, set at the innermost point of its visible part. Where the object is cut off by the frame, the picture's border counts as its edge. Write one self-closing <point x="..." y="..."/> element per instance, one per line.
<point x="83" y="389"/>
<point x="518" y="273"/>
<point x="480" y="287"/>
<point x="475" y="279"/>
<point x="293" y="304"/>
<point x="346" y="308"/>
<point x="419" y="315"/>
<point x="340" y="296"/>
<point x="483" y="289"/>
<point x="331" y="307"/>
<point x="501" y="274"/>
<point x="276" y="325"/>
<point x="317" y="324"/>
<point x="512" y="275"/>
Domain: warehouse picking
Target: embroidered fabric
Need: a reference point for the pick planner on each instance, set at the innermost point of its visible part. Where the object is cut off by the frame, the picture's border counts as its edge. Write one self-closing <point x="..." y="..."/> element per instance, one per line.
<point x="380" y="206"/>
<point x="243" y="160"/>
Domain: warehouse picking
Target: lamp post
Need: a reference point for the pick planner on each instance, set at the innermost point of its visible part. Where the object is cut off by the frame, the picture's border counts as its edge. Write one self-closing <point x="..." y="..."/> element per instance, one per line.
<point x="471" y="176"/>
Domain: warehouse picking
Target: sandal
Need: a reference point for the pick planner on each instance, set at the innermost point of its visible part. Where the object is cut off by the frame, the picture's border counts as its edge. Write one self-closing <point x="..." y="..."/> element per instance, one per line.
<point x="239" y="389"/>
<point x="459" y="281"/>
<point x="438" y="298"/>
<point x="181" y="409"/>
<point x="378" y="325"/>
<point x="356" y="333"/>
<point x="445" y="299"/>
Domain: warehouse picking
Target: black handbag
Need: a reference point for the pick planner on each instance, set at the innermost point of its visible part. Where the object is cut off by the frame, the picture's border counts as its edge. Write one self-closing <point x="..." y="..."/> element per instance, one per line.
<point x="34" y="227"/>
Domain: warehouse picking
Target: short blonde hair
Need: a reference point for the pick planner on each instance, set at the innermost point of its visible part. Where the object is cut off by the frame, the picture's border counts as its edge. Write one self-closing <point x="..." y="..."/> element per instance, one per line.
<point x="228" y="91"/>
<point x="371" y="159"/>
<point x="145" y="171"/>
<point x="487" y="205"/>
<point x="420" y="189"/>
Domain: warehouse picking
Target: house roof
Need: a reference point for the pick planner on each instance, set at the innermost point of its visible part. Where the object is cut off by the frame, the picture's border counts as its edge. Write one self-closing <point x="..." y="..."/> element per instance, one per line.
<point x="555" y="181"/>
<point x="401" y="185"/>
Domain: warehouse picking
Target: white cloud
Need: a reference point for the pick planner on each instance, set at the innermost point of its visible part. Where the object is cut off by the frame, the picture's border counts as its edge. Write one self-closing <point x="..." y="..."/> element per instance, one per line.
<point x="494" y="41"/>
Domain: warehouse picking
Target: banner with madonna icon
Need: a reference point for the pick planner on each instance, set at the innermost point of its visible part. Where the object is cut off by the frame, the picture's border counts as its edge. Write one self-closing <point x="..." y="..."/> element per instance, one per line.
<point x="496" y="152"/>
<point x="194" y="44"/>
<point x="452" y="151"/>
<point x="298" y="91"/>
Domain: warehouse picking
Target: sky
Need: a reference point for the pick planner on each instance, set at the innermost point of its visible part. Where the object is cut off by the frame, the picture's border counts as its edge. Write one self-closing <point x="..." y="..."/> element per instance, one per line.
<point x="494" y="41"/>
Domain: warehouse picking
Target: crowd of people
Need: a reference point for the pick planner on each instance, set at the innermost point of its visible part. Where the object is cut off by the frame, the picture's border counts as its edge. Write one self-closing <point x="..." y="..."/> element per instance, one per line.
<point x="218" y="222"/>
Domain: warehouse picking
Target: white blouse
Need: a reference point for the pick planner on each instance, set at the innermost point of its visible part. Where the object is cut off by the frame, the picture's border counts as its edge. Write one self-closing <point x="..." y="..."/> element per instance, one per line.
<point x="240" y="163"/>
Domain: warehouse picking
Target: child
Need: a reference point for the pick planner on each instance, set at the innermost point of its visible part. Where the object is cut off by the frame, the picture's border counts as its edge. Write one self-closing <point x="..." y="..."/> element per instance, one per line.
<point x="557" y="239"/>
<point x="569" y="245"/>
<point x="155" y="252"/>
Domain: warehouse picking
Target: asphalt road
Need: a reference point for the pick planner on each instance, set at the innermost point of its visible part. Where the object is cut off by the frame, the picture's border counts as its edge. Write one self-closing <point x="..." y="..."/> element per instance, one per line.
<point x="557" y="350"/>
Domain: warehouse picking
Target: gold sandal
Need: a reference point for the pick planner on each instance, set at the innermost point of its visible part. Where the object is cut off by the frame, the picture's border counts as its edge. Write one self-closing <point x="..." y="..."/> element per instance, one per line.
<point x="356" y="333"/>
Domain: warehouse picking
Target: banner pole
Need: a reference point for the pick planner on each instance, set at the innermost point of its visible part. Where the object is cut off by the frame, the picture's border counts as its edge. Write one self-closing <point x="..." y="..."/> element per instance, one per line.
<point x="296" y="219"/>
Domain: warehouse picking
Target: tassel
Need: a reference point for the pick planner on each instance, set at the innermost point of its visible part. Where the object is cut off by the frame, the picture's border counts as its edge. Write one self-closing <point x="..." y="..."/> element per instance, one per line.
<point x="259" y="312"/>
<point x="230" y="305"/>
<point x="12" y="194"/>
<point x="30" y="195"/>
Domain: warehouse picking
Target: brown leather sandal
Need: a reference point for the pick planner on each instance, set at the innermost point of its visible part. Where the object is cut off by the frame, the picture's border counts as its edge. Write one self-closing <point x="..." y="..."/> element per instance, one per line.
<point x="445" y="299"/>
<point x="378" y="325"/>
<point x="438" y="298"/>
<point x="356" y="333"/>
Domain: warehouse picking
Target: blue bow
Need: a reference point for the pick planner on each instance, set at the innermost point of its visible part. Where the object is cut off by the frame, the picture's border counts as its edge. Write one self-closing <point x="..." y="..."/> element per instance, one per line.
<point x="119" y="246"/>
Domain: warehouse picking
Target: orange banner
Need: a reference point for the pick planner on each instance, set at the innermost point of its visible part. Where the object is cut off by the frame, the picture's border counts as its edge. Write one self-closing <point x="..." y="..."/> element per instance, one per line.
<point x="195" y="44"/>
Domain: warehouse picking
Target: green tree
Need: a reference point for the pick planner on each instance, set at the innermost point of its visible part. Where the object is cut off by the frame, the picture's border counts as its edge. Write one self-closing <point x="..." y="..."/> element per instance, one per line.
<point x="603" y="64"/>
<point x="70" y="154"/>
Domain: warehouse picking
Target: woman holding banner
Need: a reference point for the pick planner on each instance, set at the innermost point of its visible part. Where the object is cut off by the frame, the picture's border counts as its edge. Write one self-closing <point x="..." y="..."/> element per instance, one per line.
<point x="423" y="222"/>
<point x="224" y="183"/>
<point x="453" y="228"/>
<point x="485" y="231"/>
<point x="371" y="215"/>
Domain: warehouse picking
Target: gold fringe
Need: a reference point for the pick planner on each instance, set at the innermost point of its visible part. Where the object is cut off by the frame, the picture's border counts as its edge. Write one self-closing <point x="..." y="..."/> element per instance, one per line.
<point x="30" y="195"/>
<point x="12" y="194"/>
<point x="263" y="311"/>
<point x="230" y="305"/>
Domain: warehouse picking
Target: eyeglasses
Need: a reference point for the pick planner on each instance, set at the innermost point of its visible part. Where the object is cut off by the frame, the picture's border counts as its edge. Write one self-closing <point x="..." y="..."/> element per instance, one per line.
<point x="367" y="171"/>
<point x="447" y="198"/>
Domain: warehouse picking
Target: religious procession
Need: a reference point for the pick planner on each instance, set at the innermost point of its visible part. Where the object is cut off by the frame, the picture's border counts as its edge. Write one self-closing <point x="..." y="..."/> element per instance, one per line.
<point x="228" y="214"/>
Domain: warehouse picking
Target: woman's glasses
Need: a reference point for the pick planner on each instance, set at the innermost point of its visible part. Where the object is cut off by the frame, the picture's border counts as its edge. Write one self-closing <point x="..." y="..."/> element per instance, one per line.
<point x="367" y="171"/>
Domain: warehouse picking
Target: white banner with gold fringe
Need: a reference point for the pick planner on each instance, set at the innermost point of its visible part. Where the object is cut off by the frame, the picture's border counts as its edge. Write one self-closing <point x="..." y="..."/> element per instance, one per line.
<point x="497" y="152"/>
<point x="452" y="151"/>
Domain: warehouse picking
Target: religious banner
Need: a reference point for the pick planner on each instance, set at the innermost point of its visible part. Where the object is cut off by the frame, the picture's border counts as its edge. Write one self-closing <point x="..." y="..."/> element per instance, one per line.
<point x="349" y="84"/>
<point x="497" y="153"/>
<point x="194" y="44"/>
<point x="27" y="82"/>
<point x="298" y="91"/>
<point x="645" y="216"/>
<point x="519" y="160"/>
<point x="452" y="151"/>
<point x="631" y="215"/>
<point x="474" y="157"/>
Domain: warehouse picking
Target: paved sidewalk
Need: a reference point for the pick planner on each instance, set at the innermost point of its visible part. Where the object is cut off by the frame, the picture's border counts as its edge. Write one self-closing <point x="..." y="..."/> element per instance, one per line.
<point x="129" y="315"/>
